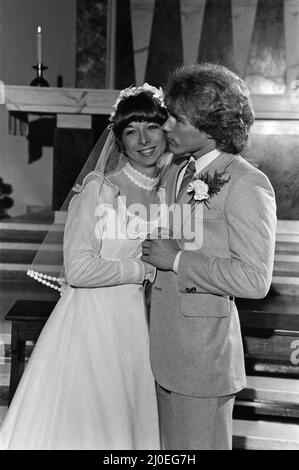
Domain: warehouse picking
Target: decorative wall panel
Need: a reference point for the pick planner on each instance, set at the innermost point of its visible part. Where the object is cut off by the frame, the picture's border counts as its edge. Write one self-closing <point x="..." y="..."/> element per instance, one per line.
<point x="141" y="18"/>
<point x="216" y="44"/>
<point x="91" y="43"/>
<point x="266" y="68"/>
<point x="259" y="39"/>
<point x="243" y="16"/>
<point x="166" y="49"/>
<point x="124" y="58"/>
<point x="291" y="24"/>
<point x="192" y="12"/>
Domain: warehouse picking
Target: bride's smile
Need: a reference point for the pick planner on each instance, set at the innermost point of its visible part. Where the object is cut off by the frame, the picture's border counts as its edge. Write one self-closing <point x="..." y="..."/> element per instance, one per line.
<point x="144" y="142"/>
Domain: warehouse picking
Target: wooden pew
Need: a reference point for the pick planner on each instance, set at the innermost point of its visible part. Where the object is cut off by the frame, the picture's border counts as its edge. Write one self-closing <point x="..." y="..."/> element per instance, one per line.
<point x="28" y="318"/>
<point x="266" y="412"/>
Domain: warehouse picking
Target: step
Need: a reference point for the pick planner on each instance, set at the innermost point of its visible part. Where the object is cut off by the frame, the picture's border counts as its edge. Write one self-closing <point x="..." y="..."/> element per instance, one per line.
<point x="266" y="410"/>
<point x="264" y="435"/>
<point x="4" y="374"/>
<point x="270" y="367"/>
<point x="4" y="382"/>
<point x="277" y="349"/>
<point x="286" y="247"/>
<point x="268" y="398"/>
<point x="31" y="232"/>
<point x="15" y="271"/>
<point x="285" y="285"/>
<point x="29" y="246"/>
<point x="26" y="225"/>
<point x="5" y="339"/>
<point x="12" y="252"/>
<point x="288" y="239"/>
<point x="274" y="312"/>
<point x="287" y="226"/>
<point x="287" y="263"/>
<point x="271" y="389"/>
<point x="11" y="291"/>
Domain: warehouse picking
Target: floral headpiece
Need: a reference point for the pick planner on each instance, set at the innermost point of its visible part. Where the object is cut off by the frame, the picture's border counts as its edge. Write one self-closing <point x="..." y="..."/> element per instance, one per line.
<point x="134" y="91"/>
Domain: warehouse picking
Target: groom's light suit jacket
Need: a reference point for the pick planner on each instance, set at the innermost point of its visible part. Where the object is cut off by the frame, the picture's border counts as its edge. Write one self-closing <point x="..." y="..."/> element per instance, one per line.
<point x="195" y="339"/>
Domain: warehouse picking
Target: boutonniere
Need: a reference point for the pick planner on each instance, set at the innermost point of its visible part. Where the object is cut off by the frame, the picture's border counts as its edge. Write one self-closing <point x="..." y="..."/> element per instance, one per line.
<point x="204" y="186"/>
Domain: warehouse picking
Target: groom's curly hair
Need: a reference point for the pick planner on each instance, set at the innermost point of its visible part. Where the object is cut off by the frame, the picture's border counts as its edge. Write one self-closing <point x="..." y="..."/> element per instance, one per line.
<point x="215" y="100"/>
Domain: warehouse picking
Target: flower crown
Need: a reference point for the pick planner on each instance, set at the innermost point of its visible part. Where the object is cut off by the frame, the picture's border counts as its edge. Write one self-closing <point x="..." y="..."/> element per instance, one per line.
<point x="134" y="91"/>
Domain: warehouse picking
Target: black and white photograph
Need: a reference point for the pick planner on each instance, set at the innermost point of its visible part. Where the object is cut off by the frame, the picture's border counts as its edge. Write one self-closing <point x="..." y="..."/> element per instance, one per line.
<point x="149" y="228"/>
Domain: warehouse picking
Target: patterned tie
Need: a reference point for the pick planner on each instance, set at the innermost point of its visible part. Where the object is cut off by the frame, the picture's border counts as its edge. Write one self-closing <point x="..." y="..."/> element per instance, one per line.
<point x="190" y="170"/>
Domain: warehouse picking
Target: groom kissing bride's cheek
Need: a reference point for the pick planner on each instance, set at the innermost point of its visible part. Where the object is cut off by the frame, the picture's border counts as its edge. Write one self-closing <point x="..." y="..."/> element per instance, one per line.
<point x="103" y="374"/>
<point x="195" y="339"/>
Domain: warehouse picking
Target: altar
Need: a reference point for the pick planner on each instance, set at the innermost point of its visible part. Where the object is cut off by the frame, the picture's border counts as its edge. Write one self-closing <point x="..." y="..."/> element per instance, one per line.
<point x="76" y="118"/>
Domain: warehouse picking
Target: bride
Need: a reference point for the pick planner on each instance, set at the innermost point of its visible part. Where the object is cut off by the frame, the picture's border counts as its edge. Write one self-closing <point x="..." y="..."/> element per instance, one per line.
<point x="88" y="383"/>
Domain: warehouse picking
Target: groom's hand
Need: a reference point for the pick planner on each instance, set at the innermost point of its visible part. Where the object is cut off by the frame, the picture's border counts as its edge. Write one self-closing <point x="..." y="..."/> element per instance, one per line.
<point x="160" y="253"/>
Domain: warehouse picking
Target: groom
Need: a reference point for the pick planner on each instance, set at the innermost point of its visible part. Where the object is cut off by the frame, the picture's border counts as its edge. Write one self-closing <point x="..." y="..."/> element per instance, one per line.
<point x="195" y="339"/>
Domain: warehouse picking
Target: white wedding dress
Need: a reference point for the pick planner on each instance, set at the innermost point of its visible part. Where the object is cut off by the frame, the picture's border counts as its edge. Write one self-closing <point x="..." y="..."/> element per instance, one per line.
<point x="88" y="383"/>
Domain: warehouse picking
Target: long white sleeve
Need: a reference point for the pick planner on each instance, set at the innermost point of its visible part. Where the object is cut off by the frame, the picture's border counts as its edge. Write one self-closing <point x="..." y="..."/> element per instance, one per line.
<point x="84" y="266"/>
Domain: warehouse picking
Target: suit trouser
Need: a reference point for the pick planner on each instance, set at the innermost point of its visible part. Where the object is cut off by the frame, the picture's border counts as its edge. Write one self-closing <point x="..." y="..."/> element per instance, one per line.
<point x="195" y="423"/>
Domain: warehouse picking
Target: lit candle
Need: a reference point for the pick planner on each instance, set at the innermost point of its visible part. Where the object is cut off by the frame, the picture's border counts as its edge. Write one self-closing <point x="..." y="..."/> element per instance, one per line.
<point x="39" y="44"/>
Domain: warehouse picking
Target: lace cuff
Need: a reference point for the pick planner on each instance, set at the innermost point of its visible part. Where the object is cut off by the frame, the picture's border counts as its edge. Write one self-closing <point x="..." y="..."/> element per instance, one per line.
<point x="152" y="275"/>
<point x="132" y="271"/>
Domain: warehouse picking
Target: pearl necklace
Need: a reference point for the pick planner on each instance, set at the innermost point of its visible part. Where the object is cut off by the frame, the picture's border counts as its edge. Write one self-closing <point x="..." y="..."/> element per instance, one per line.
<point x="138" y="178"/>
<point x="44" y="279"/>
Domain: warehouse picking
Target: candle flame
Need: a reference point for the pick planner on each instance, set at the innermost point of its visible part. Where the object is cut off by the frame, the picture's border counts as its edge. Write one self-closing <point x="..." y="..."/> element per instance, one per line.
<point x="39" y="29"/>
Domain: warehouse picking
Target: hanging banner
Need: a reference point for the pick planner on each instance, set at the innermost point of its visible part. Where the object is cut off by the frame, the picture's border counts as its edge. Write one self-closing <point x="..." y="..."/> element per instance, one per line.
<point x="142" y="18"/>
<point x="291" y="27"/>
<point x="243" y="16"/>
<point x="192" y="13"/>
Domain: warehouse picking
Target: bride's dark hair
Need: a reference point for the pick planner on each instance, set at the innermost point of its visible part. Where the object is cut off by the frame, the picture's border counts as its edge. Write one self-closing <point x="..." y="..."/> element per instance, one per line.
<point x="140" y="107"/>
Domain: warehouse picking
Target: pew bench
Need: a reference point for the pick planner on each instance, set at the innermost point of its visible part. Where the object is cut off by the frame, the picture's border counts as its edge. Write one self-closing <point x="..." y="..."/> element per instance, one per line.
<point x="28" y="318"/>
<point x="266" y="412"/>
<point x="269" y="326"/>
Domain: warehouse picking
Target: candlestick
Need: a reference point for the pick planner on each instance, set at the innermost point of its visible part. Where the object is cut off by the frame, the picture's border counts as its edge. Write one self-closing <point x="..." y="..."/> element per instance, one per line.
<point x="39" y="44"/>
<point x="39" y="80"/>
<point x="39" y="67"/>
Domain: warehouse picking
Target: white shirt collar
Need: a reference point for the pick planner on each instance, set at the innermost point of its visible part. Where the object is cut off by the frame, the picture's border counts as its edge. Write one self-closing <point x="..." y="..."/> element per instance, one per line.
<point x="200" y="164"/>
<point x="205" y="160"/>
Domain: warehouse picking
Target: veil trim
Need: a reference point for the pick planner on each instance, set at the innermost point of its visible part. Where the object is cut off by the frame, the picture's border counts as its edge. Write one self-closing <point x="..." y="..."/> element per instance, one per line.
<point x="94" y="176"/>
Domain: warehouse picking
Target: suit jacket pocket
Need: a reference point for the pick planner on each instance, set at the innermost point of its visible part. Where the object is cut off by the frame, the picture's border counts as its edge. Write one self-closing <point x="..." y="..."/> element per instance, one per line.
<point x="211" y="214"/>
<point x="205" y="305"/>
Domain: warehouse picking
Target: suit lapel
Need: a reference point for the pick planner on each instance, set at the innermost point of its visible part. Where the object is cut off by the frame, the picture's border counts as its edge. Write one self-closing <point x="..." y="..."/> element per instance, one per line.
<point x="220" y="164"/>
<point x="172" y="179"/>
